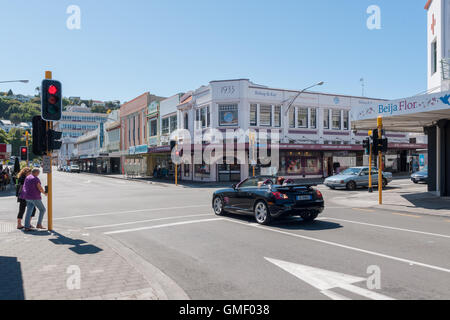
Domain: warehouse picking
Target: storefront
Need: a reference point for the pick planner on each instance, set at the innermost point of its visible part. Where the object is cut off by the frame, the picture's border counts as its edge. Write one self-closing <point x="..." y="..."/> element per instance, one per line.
<point x="136" y="162"/>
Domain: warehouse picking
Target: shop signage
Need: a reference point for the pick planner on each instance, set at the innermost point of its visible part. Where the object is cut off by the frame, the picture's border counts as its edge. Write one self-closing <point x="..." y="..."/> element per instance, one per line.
<point x="163" y="149"/>
<point x="424" y="103"/>
<point x="138" y="150"/>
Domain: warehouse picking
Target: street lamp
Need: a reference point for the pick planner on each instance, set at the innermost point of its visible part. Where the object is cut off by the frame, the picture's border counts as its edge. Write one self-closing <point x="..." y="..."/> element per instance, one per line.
<point x="321" y="83"/>
<point x="22" y="81"/>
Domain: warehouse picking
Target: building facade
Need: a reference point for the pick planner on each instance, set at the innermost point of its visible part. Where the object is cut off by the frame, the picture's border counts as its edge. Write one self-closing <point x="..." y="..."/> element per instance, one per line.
<point x="75" y="122"/>
<point x="315" y="132"/>
<point x="134" y="136"/>
<point x="438" y="31"/>
<point x="98" y="151"/>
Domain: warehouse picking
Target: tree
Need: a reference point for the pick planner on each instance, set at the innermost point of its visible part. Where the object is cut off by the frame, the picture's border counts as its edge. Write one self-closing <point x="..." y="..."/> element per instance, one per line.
<point x="15" y="118"/>
<point x="3" y="137"/>
<point x="16" y="139"/>
<point x="10" y="93"/>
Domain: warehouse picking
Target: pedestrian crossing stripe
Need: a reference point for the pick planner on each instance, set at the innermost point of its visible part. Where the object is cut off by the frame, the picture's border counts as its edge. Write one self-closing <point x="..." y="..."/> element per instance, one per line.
<point x="7" y="227"/>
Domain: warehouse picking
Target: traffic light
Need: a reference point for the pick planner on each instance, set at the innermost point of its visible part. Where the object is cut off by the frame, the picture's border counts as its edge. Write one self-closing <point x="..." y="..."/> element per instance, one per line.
<point x="380" y="144"/>
<point x="44" y="140"/>
<point x="39" y="136"/>
<point x="51" y="100"/>
<point x="24" y="153"/>
<point x="366" y="144"/>
<point x="53" y="140"/>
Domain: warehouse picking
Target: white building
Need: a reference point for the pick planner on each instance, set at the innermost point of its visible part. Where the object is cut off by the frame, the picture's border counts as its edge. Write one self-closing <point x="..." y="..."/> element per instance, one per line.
<point x="315" y="135"/>
<point x="438" y="45"/>
<point x="75" y="122"/>
<point x="98" y="151"/>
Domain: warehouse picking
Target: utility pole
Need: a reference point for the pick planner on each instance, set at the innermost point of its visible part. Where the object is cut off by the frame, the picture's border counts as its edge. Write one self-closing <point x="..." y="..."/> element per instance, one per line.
<point x="370" y="163"/>
<point x="176" y="166"/>
<point x="49" y="125"/>
<point x="28" y="153"/>
<point x="380" y="161"/>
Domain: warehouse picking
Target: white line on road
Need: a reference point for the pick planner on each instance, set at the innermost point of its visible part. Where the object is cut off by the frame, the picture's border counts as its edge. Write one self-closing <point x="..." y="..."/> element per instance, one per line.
<point x="387" y="227"/>
<point x="164" y="226"/>
<point x="143" y="221"/>
<point x="132" y="211"/>
<point x="335" y="244"/>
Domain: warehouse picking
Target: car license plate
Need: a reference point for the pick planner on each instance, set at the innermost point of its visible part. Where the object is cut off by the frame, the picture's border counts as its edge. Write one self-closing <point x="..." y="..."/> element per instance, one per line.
<point x="302" y="198"/>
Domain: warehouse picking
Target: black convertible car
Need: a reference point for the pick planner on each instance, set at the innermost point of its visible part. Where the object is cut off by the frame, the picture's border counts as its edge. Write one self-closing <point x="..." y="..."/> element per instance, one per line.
<point x="266" y="199"/>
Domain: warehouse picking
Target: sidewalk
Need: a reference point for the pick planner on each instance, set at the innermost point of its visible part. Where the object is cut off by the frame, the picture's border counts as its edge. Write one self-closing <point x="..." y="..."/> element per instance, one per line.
<point x="408" y="202"/>
<point x="45" y="266"/>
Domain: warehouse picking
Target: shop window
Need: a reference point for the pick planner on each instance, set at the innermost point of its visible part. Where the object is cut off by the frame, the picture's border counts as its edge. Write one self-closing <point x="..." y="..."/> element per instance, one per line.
<point x="202" y="170"/>
<point x="303" y="118"/>
<point x="326" y="119"/>
<point x="186" y="121"/>
<point x="277" y="116"/>
<point x="165" y="126"/>
<point x="228" y="115"/>
<point x="346" y="120"/>
<point x="186" y="170"/>
<point x="292" y="117"/>
<point x="254" y="115"/>
<point x="153" y="128"/>
<point x="313" y="122"/>
<point x="173" y="124"/>
<point x="433" y="57"/>
<point x="336" y="115"/>
<point x="265" y="118"/>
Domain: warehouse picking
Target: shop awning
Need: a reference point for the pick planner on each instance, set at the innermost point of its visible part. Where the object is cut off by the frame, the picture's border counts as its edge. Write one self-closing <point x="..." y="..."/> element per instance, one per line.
<point x="404" y="115"/>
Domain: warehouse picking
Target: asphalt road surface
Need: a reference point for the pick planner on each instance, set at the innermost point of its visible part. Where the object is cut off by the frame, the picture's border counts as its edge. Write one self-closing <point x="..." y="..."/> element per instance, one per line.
<point x="349" y="253"/>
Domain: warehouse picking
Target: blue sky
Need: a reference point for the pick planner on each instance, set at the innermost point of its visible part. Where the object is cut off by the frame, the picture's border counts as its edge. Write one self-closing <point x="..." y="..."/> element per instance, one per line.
<point x="125" y="48"/>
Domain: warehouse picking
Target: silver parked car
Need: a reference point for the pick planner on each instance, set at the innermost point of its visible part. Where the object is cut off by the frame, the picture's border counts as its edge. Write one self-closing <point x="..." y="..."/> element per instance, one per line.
<point x="353" y="178"/>
<point x="420" y="176"/>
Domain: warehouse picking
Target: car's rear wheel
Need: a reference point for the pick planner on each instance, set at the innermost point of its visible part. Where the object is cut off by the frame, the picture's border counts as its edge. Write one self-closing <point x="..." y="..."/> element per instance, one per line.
<point x="262" y="214"/>
<point x="309" y="216"/>
<point x="218" y="206"/>
<point x="351" y="185"/>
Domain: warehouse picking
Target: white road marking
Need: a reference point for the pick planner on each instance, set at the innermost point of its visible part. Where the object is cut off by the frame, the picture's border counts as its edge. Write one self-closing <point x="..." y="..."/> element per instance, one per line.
<point x="335" y="244"/>
<point x="143" y="221"/>
<point x="387" y="227"/>
<point x="132" y="211"/>
<point x="333" y="295"/>
<point x="325" y="280"/>
<point x="164" y="226"/>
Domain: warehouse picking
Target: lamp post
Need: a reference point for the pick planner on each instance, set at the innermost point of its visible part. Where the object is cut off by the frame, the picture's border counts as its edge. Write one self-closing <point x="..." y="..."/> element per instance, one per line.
<point x="22" y="81"/>
<point x="299" y="94"/>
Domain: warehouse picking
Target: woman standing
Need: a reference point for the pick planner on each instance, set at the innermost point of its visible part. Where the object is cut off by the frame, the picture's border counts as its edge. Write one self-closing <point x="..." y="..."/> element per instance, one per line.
<point x="23" y="174"/>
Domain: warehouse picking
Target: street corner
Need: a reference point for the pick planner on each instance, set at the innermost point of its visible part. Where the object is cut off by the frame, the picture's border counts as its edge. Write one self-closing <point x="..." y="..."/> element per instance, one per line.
<point x="68" y="265"/>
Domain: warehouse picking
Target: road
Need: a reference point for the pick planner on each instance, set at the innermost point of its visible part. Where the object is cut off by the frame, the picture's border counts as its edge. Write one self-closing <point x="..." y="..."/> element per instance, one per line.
<point x="211" y="257"/>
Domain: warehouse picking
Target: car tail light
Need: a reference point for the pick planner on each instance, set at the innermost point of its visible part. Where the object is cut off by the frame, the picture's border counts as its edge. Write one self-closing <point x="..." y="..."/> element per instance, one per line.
<point x="280" y="196"/>
<point x="319" y="194"/>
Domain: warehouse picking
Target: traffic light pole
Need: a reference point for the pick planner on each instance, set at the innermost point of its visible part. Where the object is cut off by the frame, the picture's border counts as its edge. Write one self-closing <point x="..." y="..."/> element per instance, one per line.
<point x="49" y="125"/>
<point x="380" y="162"/>
<point x="370" y="165"/>
<point x="28" y="153"/>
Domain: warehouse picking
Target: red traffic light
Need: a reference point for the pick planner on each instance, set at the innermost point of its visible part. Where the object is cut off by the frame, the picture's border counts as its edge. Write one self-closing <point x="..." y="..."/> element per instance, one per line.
<point x="24" y="150"/>
<point x="52" y="89"/>
<point x="52" y="100"/>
